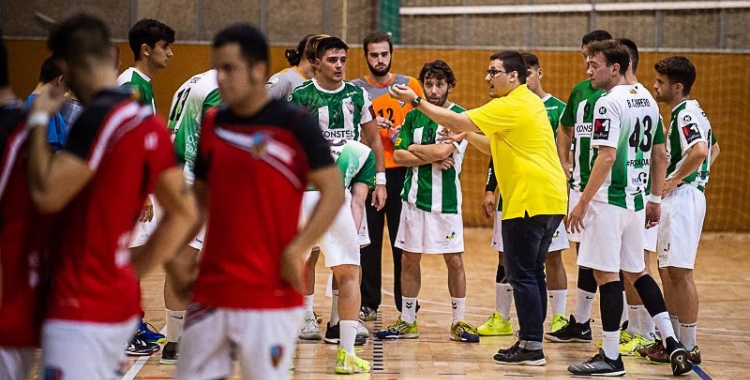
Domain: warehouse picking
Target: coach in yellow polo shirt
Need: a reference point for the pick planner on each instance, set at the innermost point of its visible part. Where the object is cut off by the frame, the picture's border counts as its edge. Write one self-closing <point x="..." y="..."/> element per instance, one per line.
<point x="531" y="182"/>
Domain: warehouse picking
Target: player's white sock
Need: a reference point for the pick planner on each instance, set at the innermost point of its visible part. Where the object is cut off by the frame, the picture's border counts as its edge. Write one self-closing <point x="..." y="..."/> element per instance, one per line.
<point x="634" y="322"/>
<point x="665" y="327"/>
<point x="309" y="306"/>
<point x="175" y="324"/>
<point x="584" y="302"/>
<point x="557" y="300"/>
<point x="503" y="299"/>
<point x="610" y="344"/>
<point x="459" y="308"/>
<point x="648" y="328"/>
<point x="409" y="309"/>
<point x="675" y="325"/>
<point x="688" y="332"/>
<point x="347" y="334"/>
<point x="625" y="308"/>
<point x="335" y="308"/>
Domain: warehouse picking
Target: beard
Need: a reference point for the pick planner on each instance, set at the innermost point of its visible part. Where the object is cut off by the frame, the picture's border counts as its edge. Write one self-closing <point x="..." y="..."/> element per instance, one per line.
<point x="440" y="101"/>
<point x="378" y="72"/>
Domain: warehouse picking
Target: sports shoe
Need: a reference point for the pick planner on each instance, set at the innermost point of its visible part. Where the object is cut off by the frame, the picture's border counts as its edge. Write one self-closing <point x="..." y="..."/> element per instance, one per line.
<point x="630" y="347"/>
<point x="599" y="365"/>
<point x="399" y="330"/>
<point x="558" y="321"/>
<point x="650" y="349"/>
<point x="464" y="332"/>
<point x="310" y="330"/>
<point x="349" y="363"/>
<point x="519" y="356"/>
<point x="573" y="332"/>
<point x="362" y="330"/>
<point x="333" y="333"/>
<point x="694" y="355"/>
<point x="169" y="354"/>
<point x="495" y="326"/>
<point x="675" y="354"/>
<point x="368" y="314"/>
<point x="139" y="347"/>
<point x="318" y="318"/>
<point x="149" y="333"/>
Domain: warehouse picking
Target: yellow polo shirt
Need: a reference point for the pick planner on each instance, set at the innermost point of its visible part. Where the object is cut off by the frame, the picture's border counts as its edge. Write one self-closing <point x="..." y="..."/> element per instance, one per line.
<point x="528" y="170"/>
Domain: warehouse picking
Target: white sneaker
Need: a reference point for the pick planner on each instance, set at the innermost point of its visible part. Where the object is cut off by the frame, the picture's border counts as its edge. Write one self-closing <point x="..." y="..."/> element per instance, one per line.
<point x="362" y="330"/>
<point x="310" y="330"/>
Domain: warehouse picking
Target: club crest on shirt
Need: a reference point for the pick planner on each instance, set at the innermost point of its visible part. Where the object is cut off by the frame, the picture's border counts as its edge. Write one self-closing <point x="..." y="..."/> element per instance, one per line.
<point x="349" y="106"/>
<point x="277" y="352"/>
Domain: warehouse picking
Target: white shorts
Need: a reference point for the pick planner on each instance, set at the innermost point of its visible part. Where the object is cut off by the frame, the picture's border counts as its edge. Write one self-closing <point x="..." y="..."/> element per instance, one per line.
<point x="85" y="350"/>
<point x="143" y="231"/>
<point x="682" y="214"/>
<point x="15" y="363"/>
<point x="559" y="239"/>
<point x="364" y="233"/>
<point x="262" y="340"/>
<point x="421" y="231"/>
<point x="574" y="197"/>
<point x="649" y="238"/>
<point x="612" y="239"/>
<point x="340" y="244"/>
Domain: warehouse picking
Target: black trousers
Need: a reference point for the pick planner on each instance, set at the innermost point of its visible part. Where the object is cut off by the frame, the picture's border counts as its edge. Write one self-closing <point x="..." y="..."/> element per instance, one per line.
<point x="371" y="256"/>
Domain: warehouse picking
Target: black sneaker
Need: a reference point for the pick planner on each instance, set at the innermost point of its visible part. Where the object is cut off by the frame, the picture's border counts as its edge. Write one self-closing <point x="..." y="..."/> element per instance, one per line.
<point x="678" y="357"/>
<point x="573" y="332"/>
<point x="520" y="356"/>
<point x="368" y="314"/>
<point x="599" y="365"/>
<point x="332" y="336"/>
<point x="139" y="347"/>
<point x="169" y="354"/>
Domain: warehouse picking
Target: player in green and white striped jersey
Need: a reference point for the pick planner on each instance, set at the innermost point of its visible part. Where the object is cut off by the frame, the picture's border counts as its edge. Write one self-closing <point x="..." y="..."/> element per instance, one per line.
<point x="610" y="213"/>
<point x="431" y="221"/>
<point x="692" y="149"/>
<point x="499" y="322"/>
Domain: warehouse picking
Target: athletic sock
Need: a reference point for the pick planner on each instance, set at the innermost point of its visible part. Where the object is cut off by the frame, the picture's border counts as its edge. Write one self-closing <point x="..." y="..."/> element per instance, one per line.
<point x="503" y="299"/>
<point x="675" y="324"/>
<point x="347" y="335"/>
<point x="557" y="300"/>
<point x="654" y="303"/>
<point x="610" y="344"/>
<point x="584" y="302"/>
<point x="688" y="333"/>
<point x="648" y="328"/>
<point x="409" y="309"/>
<point x="459" y="308"/>
<point x="175" y="324"/>
<point x="335" y="308"/>
<point x="309" y="306"/>
<point x="634" y="320"/>
<point x="610" y="307"/>
<point x="665" y="327"/>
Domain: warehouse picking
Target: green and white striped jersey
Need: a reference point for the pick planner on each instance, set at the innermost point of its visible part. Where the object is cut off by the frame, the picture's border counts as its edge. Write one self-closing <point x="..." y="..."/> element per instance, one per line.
<point x="429" y="187"/>
<point x="137" y="81"/>
<point x="626" y="119"/>
<point x="555" y="108"/>
<point x="340" y="112"/>
<point x="689" y="126"/>
<point x="659" y="137"/>
<point x="189" y="104"/>
<point x="579" y="115"/>
<point x="355" y="160"/>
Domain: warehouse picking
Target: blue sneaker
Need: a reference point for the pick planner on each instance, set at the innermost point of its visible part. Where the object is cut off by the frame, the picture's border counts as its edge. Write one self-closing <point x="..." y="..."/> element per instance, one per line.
<point x="149" y="334"/>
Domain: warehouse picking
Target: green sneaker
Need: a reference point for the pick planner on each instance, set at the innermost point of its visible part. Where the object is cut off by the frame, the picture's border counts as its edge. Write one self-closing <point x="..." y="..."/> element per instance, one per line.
<point x="630" y="348"/>
<point x="464" y="332"/>
<point x="558" y="321"/>
<point x="399" y="330"/>
<point x="349" y="363"/>
<point x="495" y="325"/>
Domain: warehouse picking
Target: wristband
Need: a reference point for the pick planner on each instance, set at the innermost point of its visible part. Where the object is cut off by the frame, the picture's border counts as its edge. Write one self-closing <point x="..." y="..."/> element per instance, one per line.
<point x="653" y="198"/>
<point x="380" y="178"/>
<point x="37" y="119"/>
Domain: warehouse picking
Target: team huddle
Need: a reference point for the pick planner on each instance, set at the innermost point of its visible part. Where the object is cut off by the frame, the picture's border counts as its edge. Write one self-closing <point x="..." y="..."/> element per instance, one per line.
<point x="97" y="190"/>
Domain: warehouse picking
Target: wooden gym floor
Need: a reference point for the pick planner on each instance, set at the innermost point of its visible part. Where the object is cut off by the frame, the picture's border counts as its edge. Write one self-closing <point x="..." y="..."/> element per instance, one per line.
<point x="722" y="276"/>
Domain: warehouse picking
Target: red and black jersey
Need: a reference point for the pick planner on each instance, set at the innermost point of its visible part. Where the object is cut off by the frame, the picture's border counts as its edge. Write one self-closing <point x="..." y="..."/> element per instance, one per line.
<point x="127" y="148"/>
<point x="23" y="238"/>
<point x="256" y="170"/>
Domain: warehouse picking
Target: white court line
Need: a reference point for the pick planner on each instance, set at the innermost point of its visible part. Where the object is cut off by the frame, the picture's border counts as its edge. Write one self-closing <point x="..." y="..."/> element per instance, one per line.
<point x="138" y="365"/>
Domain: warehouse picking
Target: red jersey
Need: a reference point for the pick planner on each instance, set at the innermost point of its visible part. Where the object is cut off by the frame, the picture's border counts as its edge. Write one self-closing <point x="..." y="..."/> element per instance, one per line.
<point x="256" y="171"/>
<point x="23" y="238"/>
<point x="127" y="148"/>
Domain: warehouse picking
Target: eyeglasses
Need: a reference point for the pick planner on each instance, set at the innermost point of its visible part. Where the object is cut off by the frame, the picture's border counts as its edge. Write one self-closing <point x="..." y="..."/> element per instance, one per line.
<point x="493" y="73"/>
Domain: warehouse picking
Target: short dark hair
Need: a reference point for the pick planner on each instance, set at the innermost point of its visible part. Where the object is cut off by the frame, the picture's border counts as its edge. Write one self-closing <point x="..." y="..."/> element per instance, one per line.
<point x="294" y="56"/>
<point x="329" y="43"/>
<point x="632" y="50"/>
<point x="613" y="52"/>
<point x="512" y="61"/>
<point x="439" y="70"/>
<point x="148" y="31"/>
<point x="530" y="59"/>
<point x="376" y="37"/>
<point x="79" y="38"/>
<point x="678" y="70"/>
<point x="4" y="80"/>
<point x="253" y="44"/>
<point x="596" y="35"/>
<point x="50" y="71"/>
